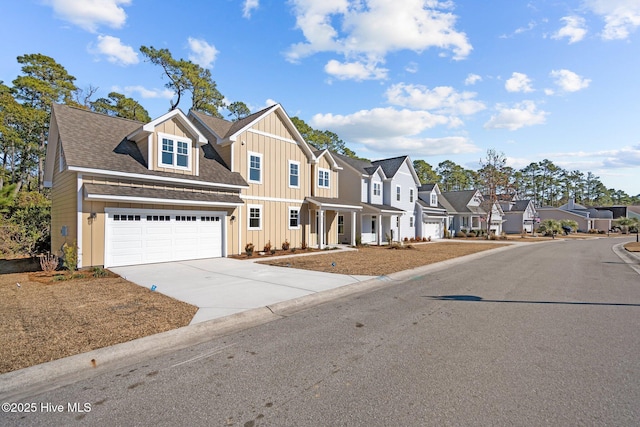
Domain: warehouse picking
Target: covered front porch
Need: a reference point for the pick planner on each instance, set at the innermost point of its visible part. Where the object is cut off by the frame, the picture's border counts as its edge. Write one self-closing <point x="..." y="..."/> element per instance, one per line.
<point x="379" y="224"/>
<point x="327" y="222"/>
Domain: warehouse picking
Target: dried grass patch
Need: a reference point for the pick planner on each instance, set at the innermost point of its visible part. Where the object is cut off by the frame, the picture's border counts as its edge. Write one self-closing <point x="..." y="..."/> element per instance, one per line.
<point x="632" y="247"/>
<point x="42" y="320"/>
<point x="378" y="261"/>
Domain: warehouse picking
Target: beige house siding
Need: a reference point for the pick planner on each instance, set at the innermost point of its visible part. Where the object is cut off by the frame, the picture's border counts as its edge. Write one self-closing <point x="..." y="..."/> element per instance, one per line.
<point x="93" y="230"/>
<point x="63" y="207"/>
<point x="274" y="225"/>
<point x="223" y="151"/>
<point x="332" y="191"/>
<point x="276" y="154"/>
<point x="175" y="128"/>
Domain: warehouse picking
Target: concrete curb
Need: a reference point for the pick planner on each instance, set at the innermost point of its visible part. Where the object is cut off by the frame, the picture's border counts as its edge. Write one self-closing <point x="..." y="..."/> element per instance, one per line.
<point x="630" y="258"/>
<point x="51" y="375"/>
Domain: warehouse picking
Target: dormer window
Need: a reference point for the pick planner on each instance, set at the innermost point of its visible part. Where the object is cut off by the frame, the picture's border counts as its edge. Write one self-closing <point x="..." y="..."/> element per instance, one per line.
<point x="434" y="199"/>
<point x="174" y="152"/>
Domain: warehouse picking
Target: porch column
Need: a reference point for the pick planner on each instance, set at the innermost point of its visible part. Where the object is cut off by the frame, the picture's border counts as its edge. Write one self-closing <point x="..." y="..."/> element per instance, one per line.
<point x="379" y="231"/>
<point x="321" y="229"/>
<point x="353" y="228"/>
<point x="399" y="222"/>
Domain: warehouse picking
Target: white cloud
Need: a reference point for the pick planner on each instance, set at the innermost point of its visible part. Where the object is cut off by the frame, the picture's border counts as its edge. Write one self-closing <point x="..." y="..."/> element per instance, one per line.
<point x="569" y="81"/>
<point x="411" y="67"/>
<point x="442" y="99"/>
<point x="249" y="6"/>
<point x="628" y="156"/>
<point x="379" y="123"/>
<point x="366" y="31"/>
<point x="518" y="82"/>
<point x="354" y="71"/>
<point x="621" y="17"/>
<point x="522" y="114"/>
<point x="420" y="147"/>
<point x="574" y="29"/>
<point x="144" y="92"/>
<point x="472" y="79"/>
<point x="90" y="14"/>
<point x="115" y="51"/>
<point x="202" y="53"/>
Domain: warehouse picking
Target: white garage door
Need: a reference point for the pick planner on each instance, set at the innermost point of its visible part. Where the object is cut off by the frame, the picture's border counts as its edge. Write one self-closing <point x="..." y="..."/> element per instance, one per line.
<point x="137" y="236"/>
<point x="432" y="229"/>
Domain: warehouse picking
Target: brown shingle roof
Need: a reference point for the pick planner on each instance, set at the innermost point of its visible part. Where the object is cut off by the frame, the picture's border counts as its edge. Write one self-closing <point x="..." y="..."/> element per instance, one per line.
<point x="160" y="193"/>
<point x="97" y="141"/>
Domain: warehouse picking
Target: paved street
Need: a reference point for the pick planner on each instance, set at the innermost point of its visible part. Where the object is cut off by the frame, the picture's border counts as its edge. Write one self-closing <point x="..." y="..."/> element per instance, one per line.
<point x="544" y="334"/>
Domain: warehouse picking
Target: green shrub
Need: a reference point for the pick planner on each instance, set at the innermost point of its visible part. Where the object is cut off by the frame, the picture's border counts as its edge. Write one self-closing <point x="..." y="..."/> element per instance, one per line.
<point x="99" y="272"/>
<point x="70" y="256"/>
<point x="461" y="233"/>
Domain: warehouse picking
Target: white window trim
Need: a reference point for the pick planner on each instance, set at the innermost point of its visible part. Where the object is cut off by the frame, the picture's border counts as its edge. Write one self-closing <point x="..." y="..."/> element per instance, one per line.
<point x="249" y="207"/>
<point x="259" y="155"/>
<point x="377" y="185"/>
<point x="292" y="162"/>
<point x="338" y="224"/>
<point x="434" y="200"/>
<point x="398" y="193"/>
<point x="328" y="172"/>
<point x="175" y="139"/>
<point x="411" y="222"/>
<point x="297" y="209"/>
<point x="411" y="198"/>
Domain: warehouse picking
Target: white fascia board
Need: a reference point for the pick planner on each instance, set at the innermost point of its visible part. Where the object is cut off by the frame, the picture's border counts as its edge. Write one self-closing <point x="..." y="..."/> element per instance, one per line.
<point x="102" y="172"/>
<point x="150" y="127"/>
<point x="134" y="199"/>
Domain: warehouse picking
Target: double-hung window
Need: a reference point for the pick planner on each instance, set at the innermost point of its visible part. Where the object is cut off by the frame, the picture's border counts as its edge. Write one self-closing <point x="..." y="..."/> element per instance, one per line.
<point x="411" y="195"/>
<point x="294" y="218"/>
<point x="255" y="217"/>
<point x="323" y="178"/>
<point x="294" y="174"/>
<point x="398" y="198"/>
<point x="255" y="167"/>
<point x="174" y="152"/>
<point x="376" y="188"/>
<point x="434" y="200"/>
<point x="340" y="224"/>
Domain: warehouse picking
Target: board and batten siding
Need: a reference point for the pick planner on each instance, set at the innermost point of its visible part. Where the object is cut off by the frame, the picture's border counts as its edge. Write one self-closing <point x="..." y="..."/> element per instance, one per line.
<point x="172" y="127"/>
<point x="274" y="225"/>
<point x="63" y="207"/>
<point x="334" y="183"/>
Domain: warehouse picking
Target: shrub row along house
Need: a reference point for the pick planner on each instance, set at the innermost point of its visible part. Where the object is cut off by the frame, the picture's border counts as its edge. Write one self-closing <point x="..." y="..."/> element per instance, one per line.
<point x="195" y="186"/>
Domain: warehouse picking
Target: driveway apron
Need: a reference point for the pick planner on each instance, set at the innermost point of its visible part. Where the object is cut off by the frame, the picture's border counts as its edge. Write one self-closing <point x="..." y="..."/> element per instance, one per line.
<point x="223" y="286"/>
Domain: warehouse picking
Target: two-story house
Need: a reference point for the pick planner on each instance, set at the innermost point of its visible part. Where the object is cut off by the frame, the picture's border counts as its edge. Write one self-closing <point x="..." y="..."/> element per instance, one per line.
<point x="432" y="218"/>
<point x="126" y="192"/>
<point x="185" y="187"/>
<point x="387" y="191"/>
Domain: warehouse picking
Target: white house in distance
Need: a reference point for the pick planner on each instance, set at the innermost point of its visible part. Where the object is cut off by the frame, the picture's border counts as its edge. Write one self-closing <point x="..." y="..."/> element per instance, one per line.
<point x="433" y="217"/>
<point x="387" y="190"/>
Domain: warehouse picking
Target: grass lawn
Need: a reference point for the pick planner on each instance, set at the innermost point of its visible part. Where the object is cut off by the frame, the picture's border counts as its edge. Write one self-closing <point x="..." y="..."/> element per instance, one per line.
<point x="43" y="320"/>
<point x="380" y="260"/>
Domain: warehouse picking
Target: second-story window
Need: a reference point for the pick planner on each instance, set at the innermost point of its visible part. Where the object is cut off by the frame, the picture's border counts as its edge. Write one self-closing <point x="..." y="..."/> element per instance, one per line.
<point x="398" y="198"/>
<point x="323" y="178"/>
<point x="411" y="195"/>
<point x="255" y="167"/>
<point x="376" y="188"/>
<point x="434" y="200"/>
<point x="174" y="152"/>
<point x="294" y="174"/>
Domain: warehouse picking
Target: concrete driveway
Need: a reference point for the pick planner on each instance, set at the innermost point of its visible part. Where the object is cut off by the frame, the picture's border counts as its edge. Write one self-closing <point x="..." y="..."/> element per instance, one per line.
<point x="223" y="286"/>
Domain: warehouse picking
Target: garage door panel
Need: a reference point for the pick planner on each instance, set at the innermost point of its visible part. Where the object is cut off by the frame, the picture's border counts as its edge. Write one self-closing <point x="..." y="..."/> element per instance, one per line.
<point x="157" y="236"/>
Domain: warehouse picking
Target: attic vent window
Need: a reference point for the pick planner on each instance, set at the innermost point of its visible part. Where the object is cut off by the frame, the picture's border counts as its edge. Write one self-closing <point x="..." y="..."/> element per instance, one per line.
<point x="174" y="152"/>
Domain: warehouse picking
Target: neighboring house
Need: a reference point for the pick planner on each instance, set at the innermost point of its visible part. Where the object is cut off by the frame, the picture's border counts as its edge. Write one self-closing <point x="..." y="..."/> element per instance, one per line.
<point x="464" y="210"/>
<point x="432" y="218"/>
<point x="519" y="215"/>
<point x="587" y="218"/>
<point x="185" y="187"/>
<point x="387" y="191"/>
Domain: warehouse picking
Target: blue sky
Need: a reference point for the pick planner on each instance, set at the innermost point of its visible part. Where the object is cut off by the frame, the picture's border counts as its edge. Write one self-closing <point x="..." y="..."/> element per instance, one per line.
<point x="433" y="79"/>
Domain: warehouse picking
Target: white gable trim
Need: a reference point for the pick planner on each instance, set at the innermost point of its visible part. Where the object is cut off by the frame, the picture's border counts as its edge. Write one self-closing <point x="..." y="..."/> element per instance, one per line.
<point x="180" y="116"/>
